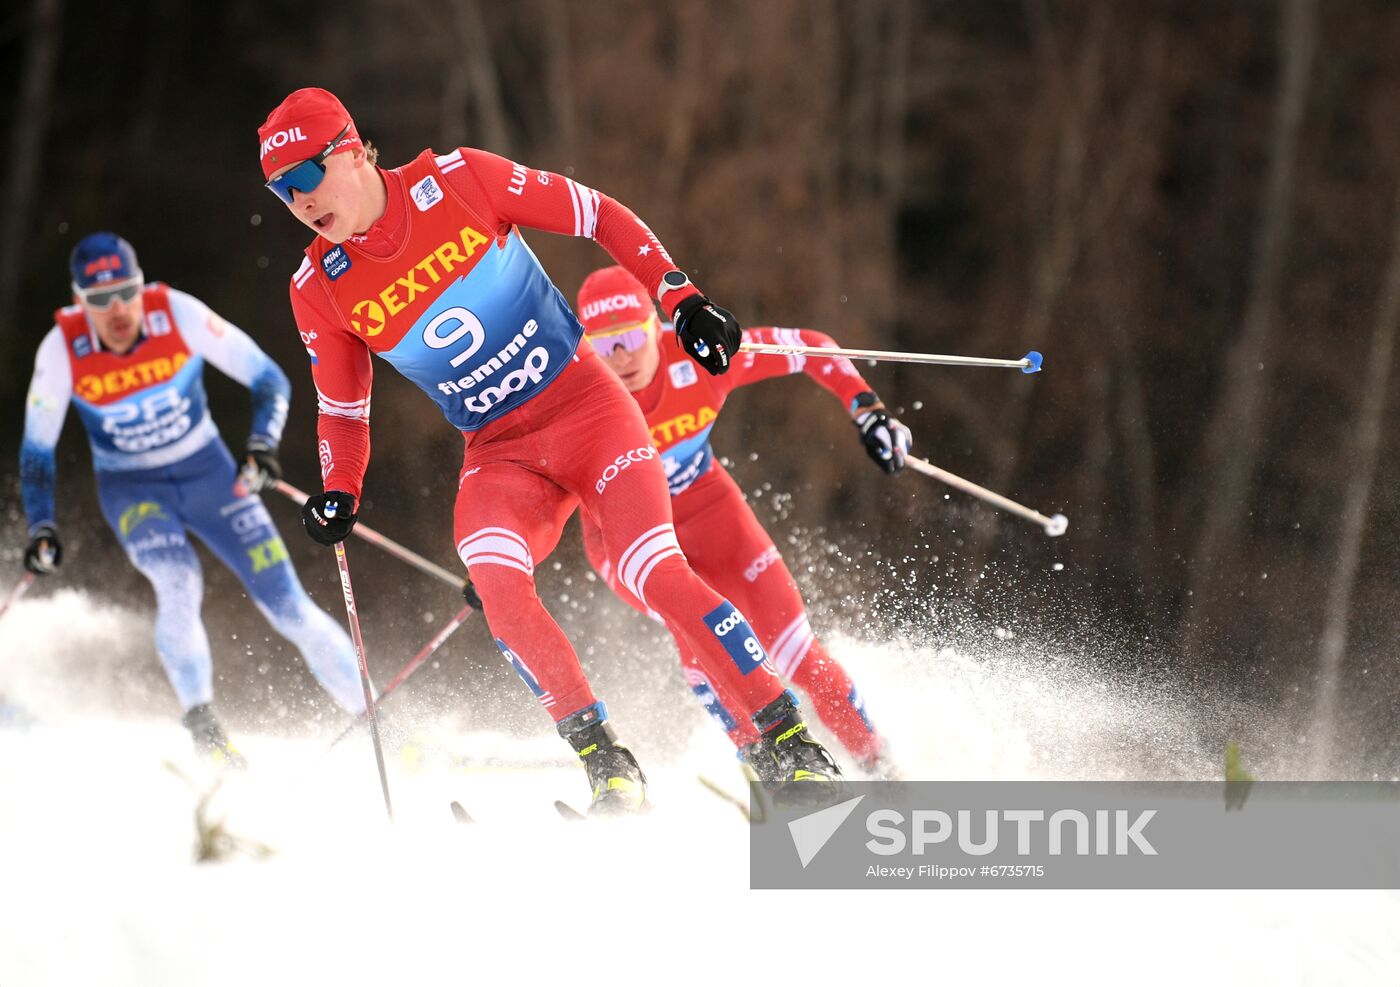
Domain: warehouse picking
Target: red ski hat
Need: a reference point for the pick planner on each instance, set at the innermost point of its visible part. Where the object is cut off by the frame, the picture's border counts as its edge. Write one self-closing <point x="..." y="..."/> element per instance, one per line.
<point x="301" y="127"/>
<point x="612" y="297"/>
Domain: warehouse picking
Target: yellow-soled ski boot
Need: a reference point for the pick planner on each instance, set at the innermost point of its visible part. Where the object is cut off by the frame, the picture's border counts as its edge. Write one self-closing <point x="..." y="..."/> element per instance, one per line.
<point x="618" y="784"/>
<point x="210" y="741"/>
<point x="804" y="771"/>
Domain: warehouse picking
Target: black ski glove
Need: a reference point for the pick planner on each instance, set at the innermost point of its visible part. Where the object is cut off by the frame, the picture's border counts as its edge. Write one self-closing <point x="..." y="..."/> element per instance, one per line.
<point x="261" y="468"/>
<point x="885" y="438"/>
<point x="707" y="332"/>
<point x="470" y="594"/>
<point x="328" y="517"/>
<point x="45" y="551"/>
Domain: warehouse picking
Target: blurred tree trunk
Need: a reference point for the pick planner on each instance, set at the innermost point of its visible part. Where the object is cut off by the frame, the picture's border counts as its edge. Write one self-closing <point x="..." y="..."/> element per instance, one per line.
<point x="32" y="110"/>
<point x="472" y="78"/>
<point x="1360" y="466"/>
<point x="1233" y="442"/>
<point x="686" y="98"/>
<point x="893" y="107"/>
<point x="1054" y="192"/>
<point x="1098" y="451"/>
<point x="148" y="109"/>
<point x="1072" y="196"/>
<point x="1140" y="454"/>
<point x="873" y="140"/>
<point x="827" y="159"/>
<point x="559" y="46"/>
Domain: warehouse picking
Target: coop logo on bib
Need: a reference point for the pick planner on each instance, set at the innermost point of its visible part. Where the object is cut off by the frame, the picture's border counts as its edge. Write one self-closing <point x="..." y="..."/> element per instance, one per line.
<point x="336" y="262"/>
<point x="532" y="372"/>
<point x="738" y="638"/>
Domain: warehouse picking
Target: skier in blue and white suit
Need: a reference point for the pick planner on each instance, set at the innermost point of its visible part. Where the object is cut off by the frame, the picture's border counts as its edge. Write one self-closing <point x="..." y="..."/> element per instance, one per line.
<point x="130" y="355"/>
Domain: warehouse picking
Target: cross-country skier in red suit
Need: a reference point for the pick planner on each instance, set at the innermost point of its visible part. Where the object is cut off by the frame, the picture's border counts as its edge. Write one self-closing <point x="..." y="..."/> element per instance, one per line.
<point x="681" y="408"/>
<point x="425" y="266"/>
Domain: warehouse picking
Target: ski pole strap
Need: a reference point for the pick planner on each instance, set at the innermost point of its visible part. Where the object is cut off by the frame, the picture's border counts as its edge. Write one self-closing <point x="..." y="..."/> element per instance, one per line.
<point x="1028" y="364"/>
<point x="1054" y="525"/>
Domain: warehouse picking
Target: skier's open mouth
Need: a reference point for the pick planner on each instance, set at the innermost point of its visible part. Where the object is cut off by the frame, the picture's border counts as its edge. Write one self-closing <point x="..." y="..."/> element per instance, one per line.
<point x="325" y="222"/>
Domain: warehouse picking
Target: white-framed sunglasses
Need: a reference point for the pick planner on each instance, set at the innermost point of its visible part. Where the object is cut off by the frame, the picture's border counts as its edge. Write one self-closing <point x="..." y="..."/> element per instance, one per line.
<point x="105" y="295"/>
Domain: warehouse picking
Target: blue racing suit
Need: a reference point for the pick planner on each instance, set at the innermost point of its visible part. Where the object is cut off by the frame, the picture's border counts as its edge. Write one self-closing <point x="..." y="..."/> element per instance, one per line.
<point x="163" y="472"/>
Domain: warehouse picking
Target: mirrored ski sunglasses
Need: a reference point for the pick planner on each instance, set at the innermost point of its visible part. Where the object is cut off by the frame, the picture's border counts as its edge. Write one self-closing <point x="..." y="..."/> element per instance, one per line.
<point x="305" y="176"/>
<point x="104" y="295"/>
<point x="629" y="339"/>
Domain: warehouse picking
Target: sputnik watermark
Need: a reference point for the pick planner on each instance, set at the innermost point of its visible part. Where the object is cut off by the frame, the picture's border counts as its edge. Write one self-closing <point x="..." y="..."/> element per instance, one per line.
<point x="1083" y="835"/>
<point x="1116" y="831"/>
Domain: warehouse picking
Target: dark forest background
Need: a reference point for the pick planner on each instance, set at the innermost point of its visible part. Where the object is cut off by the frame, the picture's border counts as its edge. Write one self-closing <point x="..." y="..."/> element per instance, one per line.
<point x="1192" y="209"/>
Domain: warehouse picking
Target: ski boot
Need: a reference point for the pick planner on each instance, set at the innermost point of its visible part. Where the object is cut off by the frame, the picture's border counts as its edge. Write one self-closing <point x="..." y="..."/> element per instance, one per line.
<point x="210" y="741"/>
<point x="619" y="786"/>
<point x="793" y="767"/>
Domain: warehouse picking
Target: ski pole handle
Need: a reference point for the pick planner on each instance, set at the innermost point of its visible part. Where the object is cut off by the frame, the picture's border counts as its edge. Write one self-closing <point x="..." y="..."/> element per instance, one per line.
<point x="1054" y="525"/>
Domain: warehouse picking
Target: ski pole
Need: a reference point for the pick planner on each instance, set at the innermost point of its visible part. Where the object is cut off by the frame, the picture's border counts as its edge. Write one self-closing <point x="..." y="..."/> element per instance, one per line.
<point x="1054" y="525"/>
<point x="370" y="713"/>
<point x="1028" y="364"/>
<point x="395" y="549"/>
<point x="20" y="589"/>
<point x="438" y="639"/>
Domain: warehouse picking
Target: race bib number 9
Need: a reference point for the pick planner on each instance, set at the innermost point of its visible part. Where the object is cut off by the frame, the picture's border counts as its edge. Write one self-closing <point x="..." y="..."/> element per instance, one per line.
<point x="737" y="636"/>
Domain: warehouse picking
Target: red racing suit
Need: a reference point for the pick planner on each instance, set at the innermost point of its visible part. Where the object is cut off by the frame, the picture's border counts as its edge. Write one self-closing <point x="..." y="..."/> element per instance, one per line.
<point x="725" y="542"/>
<point x="444" y="287"/>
